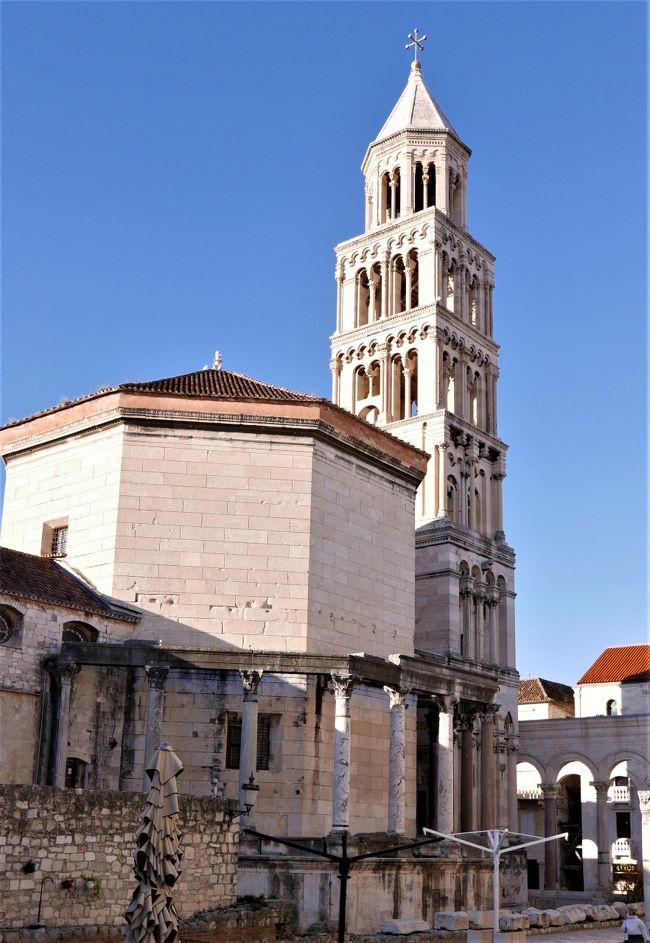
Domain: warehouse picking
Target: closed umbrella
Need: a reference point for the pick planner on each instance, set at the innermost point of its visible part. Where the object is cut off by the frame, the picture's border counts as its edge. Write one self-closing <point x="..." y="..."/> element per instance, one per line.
<point x="151" y="915"/>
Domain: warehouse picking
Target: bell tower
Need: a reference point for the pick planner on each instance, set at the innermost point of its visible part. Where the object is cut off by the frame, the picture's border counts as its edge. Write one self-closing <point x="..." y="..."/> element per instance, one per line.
<point x="414" y="353"/>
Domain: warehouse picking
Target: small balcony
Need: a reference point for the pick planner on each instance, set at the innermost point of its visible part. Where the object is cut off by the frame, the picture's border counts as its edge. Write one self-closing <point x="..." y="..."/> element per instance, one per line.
<point x="623" y="850"/>
<point x="532" y="792"/>
<point x="619" y="794"/>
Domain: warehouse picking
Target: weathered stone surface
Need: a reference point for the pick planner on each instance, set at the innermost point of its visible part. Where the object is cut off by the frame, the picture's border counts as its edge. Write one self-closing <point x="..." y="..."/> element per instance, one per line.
<point x="511" y="922"/>
<point x="403" y="927"/>
<point x="208" y="869"/>
<point x="555" y="918"/>
<point x="637" y="910"/>
<point x="620" y="908"/>
<point x="537" y="918"/>
<point x="573" y="914"/>
<point x="452" y="920"/>
<point x="480" y="919"/>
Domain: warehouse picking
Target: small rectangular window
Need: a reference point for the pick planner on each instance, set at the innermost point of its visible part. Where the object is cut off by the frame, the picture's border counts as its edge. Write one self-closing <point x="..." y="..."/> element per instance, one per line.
<point x="623" y="825"/>
<point x="233" y="741"/>
<point x="59" y="541"/>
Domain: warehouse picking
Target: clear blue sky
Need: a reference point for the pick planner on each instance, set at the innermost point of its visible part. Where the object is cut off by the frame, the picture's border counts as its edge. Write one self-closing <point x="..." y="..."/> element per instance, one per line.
<point x="175" y="176"/>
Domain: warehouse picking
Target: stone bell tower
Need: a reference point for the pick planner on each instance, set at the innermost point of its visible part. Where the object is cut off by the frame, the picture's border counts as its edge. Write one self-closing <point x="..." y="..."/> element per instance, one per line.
<point x="414" y="353"/>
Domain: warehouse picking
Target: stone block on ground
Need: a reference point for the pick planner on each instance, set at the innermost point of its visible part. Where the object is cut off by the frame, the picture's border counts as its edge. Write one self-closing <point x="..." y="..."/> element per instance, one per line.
<point x="404" y="927"/>
<point x="480" y="919"/>
<point x="637" y="910"/>
<point x="537" y="918"/>
<point x="573" y="914"/>
<point x="620" y="908"/>
<point x="555" y="918"/>
<point x="511" y="922"/>
<point x="451" y="920"/>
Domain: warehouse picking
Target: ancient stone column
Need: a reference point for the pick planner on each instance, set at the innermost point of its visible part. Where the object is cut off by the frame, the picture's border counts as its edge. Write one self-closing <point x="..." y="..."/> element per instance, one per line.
<point x="343" y="685"/>
<point x="64" y="674"/>
<point x="442" y="480"/>
<point x="445" y="805"/>
<point x="493" y="632"/>
<point x="488" y="778"/>
<point x="550" y="792"/>
<point x="408" y="373"/>
<point x="467" y="771"/>
<point x="512" y="750"/>
<point x="465" y="588"/>
<point x="602" y="837"/>
<point x="335" y="367"/>
<point x="156" y="678"/>
<point x="644" y="806"/>
<point x="248" y="744"/>
<point x="397" y="762"/>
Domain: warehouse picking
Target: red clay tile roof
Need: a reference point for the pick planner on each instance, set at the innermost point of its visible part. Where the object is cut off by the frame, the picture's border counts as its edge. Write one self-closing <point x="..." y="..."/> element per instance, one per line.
<point x="628" y="664"/>
<point x="541" y="691"/>
<point x="222" y="384"/>
<point x="42" y="578"/>
<point x="219" y="384"/>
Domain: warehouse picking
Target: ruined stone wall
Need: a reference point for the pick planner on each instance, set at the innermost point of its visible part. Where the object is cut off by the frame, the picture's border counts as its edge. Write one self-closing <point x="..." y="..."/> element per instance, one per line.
<point x="37" y="636"/>
<point x="70" y="834"/>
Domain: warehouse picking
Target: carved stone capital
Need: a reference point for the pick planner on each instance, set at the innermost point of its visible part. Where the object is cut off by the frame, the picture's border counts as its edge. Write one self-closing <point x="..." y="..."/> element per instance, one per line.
<point x="602" y="788"/>
<point x="550" y="790"/>
<point x="396" y="696"/>
<point x="466" y="585"/>
<point x="343" y="685"/>
<point x="156" y="676"/>
<point x="644" y="800"/>
<point x="445" y="702"/>
<point x="250" y="681"/>
<point x="65" y="671"/>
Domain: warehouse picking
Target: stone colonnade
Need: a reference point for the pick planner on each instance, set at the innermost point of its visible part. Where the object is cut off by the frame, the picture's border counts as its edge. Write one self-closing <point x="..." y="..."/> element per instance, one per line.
<point x="455" y="801"/>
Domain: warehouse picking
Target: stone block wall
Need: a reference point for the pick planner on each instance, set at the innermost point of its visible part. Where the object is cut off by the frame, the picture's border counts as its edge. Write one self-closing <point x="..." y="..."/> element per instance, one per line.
<point x="78" y="480"/>
<point x="69" y="834"/>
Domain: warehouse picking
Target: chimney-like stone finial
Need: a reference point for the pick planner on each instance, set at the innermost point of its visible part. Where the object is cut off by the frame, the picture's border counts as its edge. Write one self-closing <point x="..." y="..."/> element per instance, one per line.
<point x="218" y="360"/>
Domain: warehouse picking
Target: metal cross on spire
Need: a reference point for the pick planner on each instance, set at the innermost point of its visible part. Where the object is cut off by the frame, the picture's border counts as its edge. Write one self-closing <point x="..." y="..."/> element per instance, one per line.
<point x="416" y="43"/>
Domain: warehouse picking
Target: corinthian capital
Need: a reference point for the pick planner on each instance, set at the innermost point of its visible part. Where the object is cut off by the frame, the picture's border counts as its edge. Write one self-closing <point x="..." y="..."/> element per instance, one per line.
<point x="251" y="682"/>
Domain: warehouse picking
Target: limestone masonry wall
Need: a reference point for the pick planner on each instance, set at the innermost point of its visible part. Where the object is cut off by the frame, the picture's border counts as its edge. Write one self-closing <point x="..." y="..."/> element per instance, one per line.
<point x="71" y="834"/>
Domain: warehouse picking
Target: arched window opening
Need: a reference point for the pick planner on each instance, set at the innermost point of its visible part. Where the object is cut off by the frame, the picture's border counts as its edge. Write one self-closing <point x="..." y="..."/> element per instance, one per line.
<point x="363" y="297"/>
<point x="612" y="708"/>
<point x="370" y="414"/>
<point x="474" y="382"/>
<point x="411" y="385"/>
<point x="76" y="771"/>
<point x="398" y="389"/>
<point x="450" y="301"/>
<point x="431" y="185"/>
<point x="374" y="379"/>
<point x="412" y="263"/>
<point x="10" y="626"/>
<point x="385" y="198"/>
<point x="78" y="632"/>
<point x="452" y="499"/>
<point x="362" y="385"/>
<point x="418" y="189"/>
<point x="455" y="197"/>
<point x="477" y="509"/>
<point x="473" y="302"/>
<point x="396" y="185"/>
<point x="376" y="289"/>
<point x="399" y="285"/>
<point x="450" y="379"/>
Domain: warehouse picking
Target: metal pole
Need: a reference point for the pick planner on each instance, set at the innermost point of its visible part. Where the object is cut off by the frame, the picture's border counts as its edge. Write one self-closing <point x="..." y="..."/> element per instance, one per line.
<point x="495" y="894"/>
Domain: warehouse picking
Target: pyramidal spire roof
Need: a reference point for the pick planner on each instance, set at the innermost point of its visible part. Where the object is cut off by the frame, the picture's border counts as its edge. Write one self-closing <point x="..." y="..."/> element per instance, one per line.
<point x="416" y="109"/>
